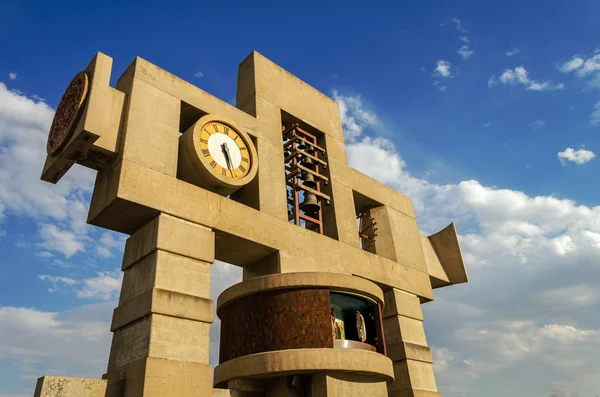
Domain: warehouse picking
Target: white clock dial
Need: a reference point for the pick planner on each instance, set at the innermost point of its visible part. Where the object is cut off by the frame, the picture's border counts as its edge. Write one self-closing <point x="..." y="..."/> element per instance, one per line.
<point x="218" y="151"/>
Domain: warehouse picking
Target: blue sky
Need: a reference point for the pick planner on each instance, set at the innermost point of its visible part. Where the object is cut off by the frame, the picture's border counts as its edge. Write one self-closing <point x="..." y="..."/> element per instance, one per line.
<point x="486" y="113"/>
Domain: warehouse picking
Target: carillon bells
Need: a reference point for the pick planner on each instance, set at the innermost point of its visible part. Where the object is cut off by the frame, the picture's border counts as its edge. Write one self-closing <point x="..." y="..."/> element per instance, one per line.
<point x="310" y="205"/>
<point x="308" y="163"/>
<point x="301" y="145"/>
<point x="310" y="150"/>
<point x="309" y="180"/>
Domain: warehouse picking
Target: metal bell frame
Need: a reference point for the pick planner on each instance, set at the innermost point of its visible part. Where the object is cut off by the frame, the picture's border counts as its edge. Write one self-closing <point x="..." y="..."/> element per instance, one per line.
<point x="303" y="149"/>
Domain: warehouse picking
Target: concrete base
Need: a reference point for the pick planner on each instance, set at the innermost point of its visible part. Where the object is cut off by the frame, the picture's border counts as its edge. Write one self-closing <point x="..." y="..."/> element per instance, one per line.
<point x="58" y="386"/>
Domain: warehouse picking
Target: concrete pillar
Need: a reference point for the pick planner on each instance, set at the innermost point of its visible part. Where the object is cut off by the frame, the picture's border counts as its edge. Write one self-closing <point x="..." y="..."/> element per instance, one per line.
<point x="272" y="193"/>
<point x="161" y="338"/>
<point x="407" y="346"/>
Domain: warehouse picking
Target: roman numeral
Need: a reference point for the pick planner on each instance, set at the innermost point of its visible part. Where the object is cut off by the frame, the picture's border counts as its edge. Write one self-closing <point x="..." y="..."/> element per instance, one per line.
<point x="224" y="172"/>
<point x="203" y="141"/>
<point x="205" y="152"/>
<point x="216" y="127"/>
<point x="245" y="160"/>
<point x="213" y="163"/>
<point x="226" y="130"/>
<point x="243" y="148"/>
<point x="241" y="167"/>
<point x="235" y="138"/>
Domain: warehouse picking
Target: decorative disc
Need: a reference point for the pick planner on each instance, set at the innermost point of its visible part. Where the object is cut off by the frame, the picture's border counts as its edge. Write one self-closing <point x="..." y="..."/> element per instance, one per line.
<point x="67" y="113"/>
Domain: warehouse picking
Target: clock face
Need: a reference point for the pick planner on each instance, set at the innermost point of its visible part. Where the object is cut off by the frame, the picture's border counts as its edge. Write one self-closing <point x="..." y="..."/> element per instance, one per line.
<point x="225" y="150"/>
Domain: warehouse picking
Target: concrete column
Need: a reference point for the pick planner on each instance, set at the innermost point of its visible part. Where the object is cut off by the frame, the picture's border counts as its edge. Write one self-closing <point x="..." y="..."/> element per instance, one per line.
<point x="407" y="346"/>
<point x="161" y="338"/>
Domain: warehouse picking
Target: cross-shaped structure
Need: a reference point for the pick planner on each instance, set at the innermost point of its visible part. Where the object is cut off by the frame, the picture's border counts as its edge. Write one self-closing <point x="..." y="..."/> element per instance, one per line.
<point x="334" y="267"/>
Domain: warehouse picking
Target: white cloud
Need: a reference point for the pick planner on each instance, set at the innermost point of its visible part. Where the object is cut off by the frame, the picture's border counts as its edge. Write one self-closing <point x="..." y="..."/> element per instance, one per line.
<point x="439" y="85"/>
<point x="354" y="116"/>
<point x="441" y="358"/>
<point x="57" y="279"/>
<point x="519" y="75"/>
<point x="57" y="282"/>
<point x="56" y="239"/>
<point x="12" y="76"/>
<point x="104" y="286"/>
<point x="464" y="52"/>
<point x="574" y="297"/>
<point x="443" y="69"/>
<point x="40" y="343"/>
<point x="584" y="68"/>
<point x="595" y="116"/>
<point x="465" y="39"/>
<point x="537" y="124"/>
<point x="590" y="65"/>
<point x="486" y="125"/>
<point x="579" y="156"/>
<point x="459" y="26"/>
<point x="510" y="53"/>
<point x="198" y="74"/>
<point x="108" y="242"/>
<point x="572" y="65"/>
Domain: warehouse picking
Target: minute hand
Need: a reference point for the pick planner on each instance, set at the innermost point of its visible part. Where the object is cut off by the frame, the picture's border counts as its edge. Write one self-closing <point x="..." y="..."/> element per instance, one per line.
<point x="227" y="157"/>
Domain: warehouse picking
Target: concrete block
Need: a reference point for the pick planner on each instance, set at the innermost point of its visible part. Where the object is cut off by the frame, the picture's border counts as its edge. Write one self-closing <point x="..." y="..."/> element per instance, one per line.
<point x="130" y="343"/>
<point x="179" y="339"/>
<point x="281" y="88"/>
<point x="398" y="238"/>
<point x="415" y="375"/>
<point x="151" y="129"/>
<point x="397" y="351"/>
<point x="168" y="303"/>
<point x="404" y="329"/>
<point x="344" y="384"/>
<point x="345" y="214"/>
<point x="167" y="271"/>
<point x="59" y="386"/>
<point x="171" y="234"/>
<point x="402" y="303"/>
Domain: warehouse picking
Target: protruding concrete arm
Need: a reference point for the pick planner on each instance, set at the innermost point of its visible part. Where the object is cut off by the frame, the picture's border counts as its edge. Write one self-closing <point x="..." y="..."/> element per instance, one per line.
<point x="443" y="258"/>
<point x="94" y="138"/>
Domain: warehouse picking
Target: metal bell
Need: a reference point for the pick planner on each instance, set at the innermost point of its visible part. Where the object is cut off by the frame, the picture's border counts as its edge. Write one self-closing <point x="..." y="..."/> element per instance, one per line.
<point x="308" y="163"/>
<point x="310" y="150"/>
<point x="301" y="145"/>
<point x="310" y="205"/>
<point x="309" y="180"/>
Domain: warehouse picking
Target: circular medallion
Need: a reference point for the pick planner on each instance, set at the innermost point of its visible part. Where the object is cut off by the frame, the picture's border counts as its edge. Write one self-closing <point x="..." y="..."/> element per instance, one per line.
<point x="67" y="113"/>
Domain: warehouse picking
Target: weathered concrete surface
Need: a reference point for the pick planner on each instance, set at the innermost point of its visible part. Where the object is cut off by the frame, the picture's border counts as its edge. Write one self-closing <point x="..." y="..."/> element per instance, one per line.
<point x="58" y="386"/>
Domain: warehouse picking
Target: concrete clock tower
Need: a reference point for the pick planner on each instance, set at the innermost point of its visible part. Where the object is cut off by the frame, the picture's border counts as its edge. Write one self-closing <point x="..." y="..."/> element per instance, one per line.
<point x="334" y="267"/>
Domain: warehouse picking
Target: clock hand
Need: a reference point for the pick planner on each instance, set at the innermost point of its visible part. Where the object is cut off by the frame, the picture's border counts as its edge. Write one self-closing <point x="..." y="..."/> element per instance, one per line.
<point x="225" y="150"/>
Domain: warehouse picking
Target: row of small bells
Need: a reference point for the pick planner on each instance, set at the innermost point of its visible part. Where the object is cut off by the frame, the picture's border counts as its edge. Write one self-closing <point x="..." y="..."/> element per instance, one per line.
<point x="310" y="205"/>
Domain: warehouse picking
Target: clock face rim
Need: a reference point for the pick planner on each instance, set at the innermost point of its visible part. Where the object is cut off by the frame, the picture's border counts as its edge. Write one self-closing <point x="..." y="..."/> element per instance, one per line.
<point x="206" y="167"/>
<point x="246" y="159"/>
